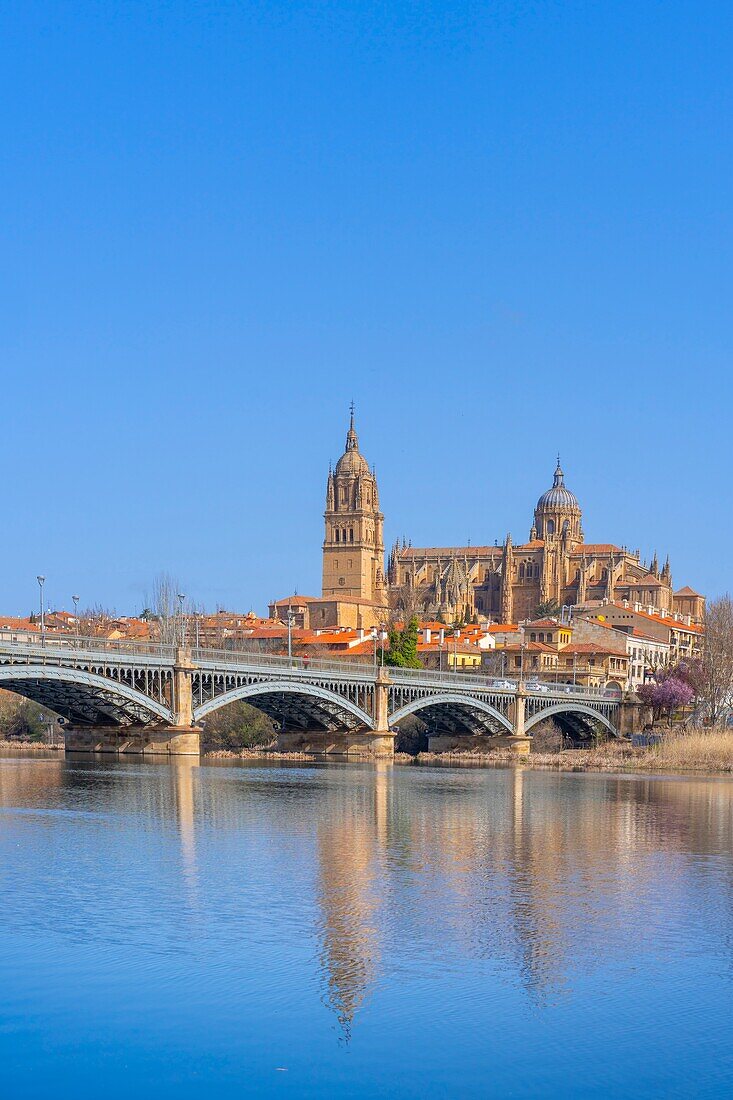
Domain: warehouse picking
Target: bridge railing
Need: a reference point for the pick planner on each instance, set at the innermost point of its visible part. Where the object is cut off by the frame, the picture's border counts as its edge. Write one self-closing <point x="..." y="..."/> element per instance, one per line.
<point x="55" y="647"/>
<point x="64" y="643"/>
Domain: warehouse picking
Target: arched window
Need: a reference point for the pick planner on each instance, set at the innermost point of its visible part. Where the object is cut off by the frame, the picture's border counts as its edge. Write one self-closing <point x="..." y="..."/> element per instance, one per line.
<point x="521" y="571"/>
<point x="351" y="534"/>
<point x="337" y="534"/>
<point x="550" y="527"/>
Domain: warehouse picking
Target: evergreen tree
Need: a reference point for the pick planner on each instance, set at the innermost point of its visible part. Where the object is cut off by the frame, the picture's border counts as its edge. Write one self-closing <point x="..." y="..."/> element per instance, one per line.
<point x="549" y="609"/>
<point x="402" y="652"/>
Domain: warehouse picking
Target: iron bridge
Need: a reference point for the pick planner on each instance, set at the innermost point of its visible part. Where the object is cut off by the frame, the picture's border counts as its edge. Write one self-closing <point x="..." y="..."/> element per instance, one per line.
<point x="92" y="682"/>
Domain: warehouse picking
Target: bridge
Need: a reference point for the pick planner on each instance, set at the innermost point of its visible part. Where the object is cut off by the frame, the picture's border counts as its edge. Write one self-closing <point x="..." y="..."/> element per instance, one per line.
<point x="132" y="697"/>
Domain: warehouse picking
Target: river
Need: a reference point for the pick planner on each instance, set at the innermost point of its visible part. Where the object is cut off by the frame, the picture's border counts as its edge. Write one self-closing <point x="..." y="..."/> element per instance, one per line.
<point x="349" y="930"/>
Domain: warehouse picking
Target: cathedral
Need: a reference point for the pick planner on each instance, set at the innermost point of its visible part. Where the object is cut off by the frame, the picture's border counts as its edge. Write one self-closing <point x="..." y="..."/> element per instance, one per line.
<point x="508" y="583"/>
<point x="503" y="583"/>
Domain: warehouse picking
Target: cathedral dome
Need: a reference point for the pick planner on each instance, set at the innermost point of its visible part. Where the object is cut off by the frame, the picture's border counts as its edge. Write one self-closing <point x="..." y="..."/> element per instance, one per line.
<point x="352" y="463"/>
<point x="559" y="496"/>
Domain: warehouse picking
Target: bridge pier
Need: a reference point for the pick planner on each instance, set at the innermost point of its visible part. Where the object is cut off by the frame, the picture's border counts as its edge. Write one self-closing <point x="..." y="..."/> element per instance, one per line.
<point x="138" y="740"/>
<point x="355" y="744"/>
<point x="470" y="742"/>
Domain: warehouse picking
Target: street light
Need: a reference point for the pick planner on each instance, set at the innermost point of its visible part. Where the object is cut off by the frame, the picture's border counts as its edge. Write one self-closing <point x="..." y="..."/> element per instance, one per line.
<point x="181" y="598"/>
<point x="291" y="620"/>
<point x="383" y="635"/>
<point x="375" y="635"/>
<point x="456" y="636"/>
<point x="75" y="601"/>
<point x="41" y="579"/>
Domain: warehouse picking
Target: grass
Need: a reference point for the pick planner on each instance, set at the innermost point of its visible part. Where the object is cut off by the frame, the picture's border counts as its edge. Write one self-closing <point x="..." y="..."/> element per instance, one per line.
<point x="709" y="750"/>
<point x="695" y="751"/>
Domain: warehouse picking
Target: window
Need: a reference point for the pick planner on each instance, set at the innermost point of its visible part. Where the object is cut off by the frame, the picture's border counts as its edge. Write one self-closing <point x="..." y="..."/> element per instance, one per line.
<point x="550" y="527"/>
<point x="351" y="534"/>
<point x="337" y="534"/>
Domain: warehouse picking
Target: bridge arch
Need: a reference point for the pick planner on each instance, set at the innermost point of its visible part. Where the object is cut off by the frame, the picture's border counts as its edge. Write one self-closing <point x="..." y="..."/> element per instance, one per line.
<point x="83" y="697"/>
<point x="305" y="705"/>
<point x="579" y="717"/>
<point x="459" y="713"/>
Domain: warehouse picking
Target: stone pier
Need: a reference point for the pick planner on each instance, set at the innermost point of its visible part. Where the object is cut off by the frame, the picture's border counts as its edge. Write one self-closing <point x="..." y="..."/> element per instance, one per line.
<point x="142" y="740"/>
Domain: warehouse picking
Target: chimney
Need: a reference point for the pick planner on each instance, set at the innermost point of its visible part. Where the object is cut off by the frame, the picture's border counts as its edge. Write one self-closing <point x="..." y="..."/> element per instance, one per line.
<point x="428" y="635"/>
<point x="441" y="635"/>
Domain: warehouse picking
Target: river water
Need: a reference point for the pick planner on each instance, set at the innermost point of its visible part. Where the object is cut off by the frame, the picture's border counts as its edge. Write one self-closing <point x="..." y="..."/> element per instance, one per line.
<point x="345" y="930"/>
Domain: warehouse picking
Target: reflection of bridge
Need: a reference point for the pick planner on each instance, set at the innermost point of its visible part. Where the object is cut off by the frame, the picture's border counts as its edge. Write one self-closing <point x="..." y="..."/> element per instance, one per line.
<point x="143" y="697"/>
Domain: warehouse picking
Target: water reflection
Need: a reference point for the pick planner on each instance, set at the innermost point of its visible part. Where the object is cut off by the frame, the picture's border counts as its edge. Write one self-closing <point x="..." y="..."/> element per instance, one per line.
<point x="537" y="878"/>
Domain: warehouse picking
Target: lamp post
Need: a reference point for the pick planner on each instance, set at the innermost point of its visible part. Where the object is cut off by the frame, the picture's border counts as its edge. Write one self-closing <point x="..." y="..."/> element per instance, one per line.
<point x="383" y="638"/>
<point x="291" y="619"/>
<point x="75" y="601"/>
<point x="41" y="579"/>
<point x="182" y="625"/>
<point x="375" y="635"/>
<point x="456" y="635"/>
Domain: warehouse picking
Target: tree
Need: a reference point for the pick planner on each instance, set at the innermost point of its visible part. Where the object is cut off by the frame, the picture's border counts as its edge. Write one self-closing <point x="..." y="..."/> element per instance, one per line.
<point x="95" y="620"/>
<point x="667" y="695"/>
<point x="164" y="608"/>
<point x="237" y="726"/>
<point x="717" y="658"/>
<point x="22" y="719"/>
<point x="402" y="651"/>
<point x="548" y="609"/>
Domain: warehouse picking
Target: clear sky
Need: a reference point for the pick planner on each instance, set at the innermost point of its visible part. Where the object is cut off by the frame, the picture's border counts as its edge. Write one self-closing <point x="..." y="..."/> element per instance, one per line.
<point x="503" y="228"/>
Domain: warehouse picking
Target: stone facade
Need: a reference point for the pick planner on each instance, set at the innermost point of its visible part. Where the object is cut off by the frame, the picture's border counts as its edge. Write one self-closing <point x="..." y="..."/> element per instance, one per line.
<point x="504" y="583"/>
<point x="508" y="582"/>
<point x="353" y="545"/>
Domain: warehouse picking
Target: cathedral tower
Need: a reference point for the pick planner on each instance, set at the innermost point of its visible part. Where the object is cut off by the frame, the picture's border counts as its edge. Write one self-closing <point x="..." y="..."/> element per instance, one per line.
<point x="353" y="547"/>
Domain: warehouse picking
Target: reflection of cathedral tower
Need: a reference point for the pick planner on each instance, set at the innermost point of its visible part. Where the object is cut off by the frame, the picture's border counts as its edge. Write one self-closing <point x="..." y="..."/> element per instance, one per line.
<point x="353" y="547"/>
<point x="349" y="847"/>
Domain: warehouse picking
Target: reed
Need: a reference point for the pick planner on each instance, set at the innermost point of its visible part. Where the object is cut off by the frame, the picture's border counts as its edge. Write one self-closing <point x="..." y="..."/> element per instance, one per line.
<point x="696" y="750"/>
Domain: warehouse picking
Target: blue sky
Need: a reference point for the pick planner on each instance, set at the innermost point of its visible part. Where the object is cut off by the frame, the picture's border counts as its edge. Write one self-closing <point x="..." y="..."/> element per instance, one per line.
<point x="504" y="229"/>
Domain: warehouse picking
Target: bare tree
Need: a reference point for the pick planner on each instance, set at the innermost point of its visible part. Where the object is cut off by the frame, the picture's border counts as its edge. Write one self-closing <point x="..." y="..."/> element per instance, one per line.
<point x="406" y="601"/>
<point x="164" y="607"/>
<point x="95" y="620"/>
<point x="717" y="657"/>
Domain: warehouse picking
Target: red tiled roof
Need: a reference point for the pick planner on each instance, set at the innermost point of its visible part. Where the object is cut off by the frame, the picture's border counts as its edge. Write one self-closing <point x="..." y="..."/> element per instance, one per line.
<point x="448" y="551"/>
<point x="547" y="623"/>
<point x="293" y="600"/>
<point x="9" y="622"/>
<point x="590" y="647"/>
<point x="674" y="624"/>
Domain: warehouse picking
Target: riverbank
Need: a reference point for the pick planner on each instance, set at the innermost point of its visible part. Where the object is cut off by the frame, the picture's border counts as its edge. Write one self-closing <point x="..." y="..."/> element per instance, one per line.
<point x="29" y="746"/>
<point x="702" y="751"/>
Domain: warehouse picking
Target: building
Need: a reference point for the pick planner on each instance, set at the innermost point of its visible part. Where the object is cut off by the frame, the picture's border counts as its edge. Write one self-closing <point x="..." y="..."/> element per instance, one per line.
<point x="509" y="582"/>
<point x="504" y="584"/>
<point x="679" y="635"/>
<point x="354" y="587"/>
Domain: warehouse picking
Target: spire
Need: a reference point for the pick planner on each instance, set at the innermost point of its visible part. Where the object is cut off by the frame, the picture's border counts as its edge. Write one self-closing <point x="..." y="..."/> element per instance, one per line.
<point x="559" y="478"/>
<point x="352" y="442"/>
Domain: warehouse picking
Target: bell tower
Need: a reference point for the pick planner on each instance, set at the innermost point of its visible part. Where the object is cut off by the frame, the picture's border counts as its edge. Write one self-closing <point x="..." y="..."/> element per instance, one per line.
<point x="353" y="546"/>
